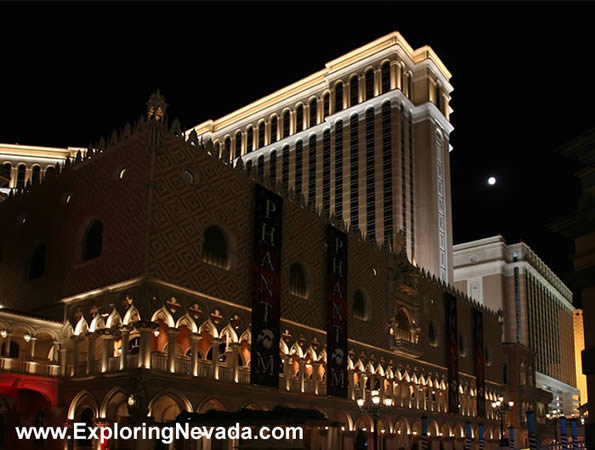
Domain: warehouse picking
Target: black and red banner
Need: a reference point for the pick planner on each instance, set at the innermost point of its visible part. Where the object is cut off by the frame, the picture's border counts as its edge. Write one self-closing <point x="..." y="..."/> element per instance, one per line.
<point x="479" y="360"/>
<point x="336" y="328"/>
<point x="266" y="289"/>
<point x="450" y="302"/>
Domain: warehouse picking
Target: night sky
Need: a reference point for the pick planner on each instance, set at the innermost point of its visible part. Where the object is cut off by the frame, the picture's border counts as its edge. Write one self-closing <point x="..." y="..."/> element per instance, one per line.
<point x="523" y="78"/>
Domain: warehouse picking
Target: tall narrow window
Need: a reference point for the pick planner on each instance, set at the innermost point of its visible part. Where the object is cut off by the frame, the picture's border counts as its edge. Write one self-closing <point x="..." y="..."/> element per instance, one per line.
<point x="297" y="280"/>
<point x="36" y="264"/>
<point x="36" y="175"/>
<point x="21" y="176"/>
<point x="326" y="170"/>
<point x="338" y="96"/>
<point x="354" y="160"/>
<point x="369" y="76"/>
<point x="286" y="123"/>
<point x="238" y="140"/>
<point x="354" y="90"/>
<point x="313" y="112"/>
<point x="273" y="129"/>
<point x="49" y="171"/>
<point x="387" y="173"/>
<point x="93" y="241"/>
<point x="260" y="167"/>
<point x="249" y="140"/>
<point x="339" y="170"/>
<point x="411" y="184"/>
<point x="438" y="98"/>
<point x="312" y="171"/>
<point x="404" y="178"/>
<point x="216" y="150"/>
<point x="299" y="167"/>
<point x="261" y="131"/>
<point x="7" y="173"/>
<point x="360" y="306"/>
<point x="285" y="168"/>
<point x="370" y="175"/>
<point x="215" y="247"/>
<point x="326" y="105"/>
<point x="409" y="86"/>
<point x="226" y="149"/>
<point x="385" y="75"/>
<point x="273" y="166"/>
<point x="299" y="118"/>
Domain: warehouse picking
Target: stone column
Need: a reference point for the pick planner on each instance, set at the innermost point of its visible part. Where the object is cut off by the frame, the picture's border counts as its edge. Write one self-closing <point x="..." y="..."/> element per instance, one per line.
<point x="75" y="355"/>
<point x="194" y="346"/>
<point x="32" y="346"/>
<point x="364" y="378"/>
<point x="146" y="343"/>
<point x="215" y="343"/>
<point x="7" y="345"/>
<point x="286" y="370"/>
<point x="315" y="368"/>
<point x="63" y="357"/>
<point x="171" y="349"/>
<point x="124" y="348"/>
<point x="235" y="349"/>
<point x="302" y="362"/>
<point x="55" y="355"/>
<point x="108" y="350"/>
<point x="91" y="353"/>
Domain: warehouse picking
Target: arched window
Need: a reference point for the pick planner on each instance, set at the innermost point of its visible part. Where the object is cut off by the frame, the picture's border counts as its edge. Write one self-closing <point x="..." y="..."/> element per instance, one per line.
<point x="249" y="140"/>
<point x="21" y="176"/>
<point x="338" y="96"/>
<point x="261" y="129"/>
<point x="285" y="168"/>
<point x="402" y="326"/>
<point x="7" y="173"/>
<point x="360" y="305"/>
<point x="226" y="149"/>
<point x="326" y="170"/>
<point x="354" y="90"/>
<point x="326" y="105"/>
<point x="273" y="129"/>
<point x="36" y="265"/>
<point x="93" y="242"/>
<point x="286" y="123"/>
<point x="299" y="167"/>
<point x="36" y="175"/>
<point x="409" y="86"/>
<point x="369" y="77"/>
<point x="297" y="280"/>
<point x="238" y="139"/>
<point x="385" y="74"/>
<point x="215" y="248"/>
<point x="313" y="112"/>
<point x="260" y="166"/>
<point x="354" y="170"/>
<point x="273" y="166"/>
<point x="299" y="118"/>
<point x="49" y="171"/>
<point x="312" y="170"/>
<point x="438" y="97"/>
<point x="339" y="169"/>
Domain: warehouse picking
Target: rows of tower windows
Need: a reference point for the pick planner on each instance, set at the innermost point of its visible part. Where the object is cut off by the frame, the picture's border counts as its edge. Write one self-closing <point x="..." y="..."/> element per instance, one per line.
<point x="307" y="115"/>
<point x="35" y="176"/>
<point x="370" y="175"/>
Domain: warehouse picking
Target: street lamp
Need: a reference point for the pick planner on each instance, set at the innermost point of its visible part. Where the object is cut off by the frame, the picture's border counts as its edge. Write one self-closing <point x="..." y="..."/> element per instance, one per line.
<point x="374" y="411"/>
<point x="501" y="408"/>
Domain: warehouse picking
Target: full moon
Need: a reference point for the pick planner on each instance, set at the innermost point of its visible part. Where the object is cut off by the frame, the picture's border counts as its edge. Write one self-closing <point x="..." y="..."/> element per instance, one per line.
<point x="492" y="181"/>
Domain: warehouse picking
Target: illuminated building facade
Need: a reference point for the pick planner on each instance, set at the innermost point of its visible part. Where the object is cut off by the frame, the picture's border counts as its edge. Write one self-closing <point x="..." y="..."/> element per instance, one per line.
<point x="537" y="310"/>
<point x="579" y="346"/>
<point x="366" y="139"/>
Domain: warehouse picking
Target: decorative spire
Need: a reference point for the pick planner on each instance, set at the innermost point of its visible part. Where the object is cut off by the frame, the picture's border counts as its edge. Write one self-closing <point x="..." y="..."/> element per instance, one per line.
<point x="156" y="107"/>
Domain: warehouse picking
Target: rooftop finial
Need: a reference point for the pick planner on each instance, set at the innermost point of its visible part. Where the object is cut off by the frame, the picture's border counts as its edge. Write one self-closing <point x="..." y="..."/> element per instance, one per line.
<point x="156" y="107"/>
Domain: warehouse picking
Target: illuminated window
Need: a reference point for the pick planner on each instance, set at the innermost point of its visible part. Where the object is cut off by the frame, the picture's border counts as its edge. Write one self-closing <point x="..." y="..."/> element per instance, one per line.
<point x="286" y="123"/>
<point x="402" y="326"/>
<point x="354" y="90"/>
<point x="360" y="305"/>
<point x="36" y="264"/>
<point x="385" y="74"/>
<point x="273" y="129"/>
<point x="313" y="112"/>
<point x="299" y="118"/>
<point x="326" y="105"/>
<point x="93" y="241"/>
<point x="261" y="130"/>
<point x="215" y="248"/>
<point x="338" y="96"/>
<point x="297" y="280"/>
<point x="369" y="83"/>
<point x="249" y="140"/>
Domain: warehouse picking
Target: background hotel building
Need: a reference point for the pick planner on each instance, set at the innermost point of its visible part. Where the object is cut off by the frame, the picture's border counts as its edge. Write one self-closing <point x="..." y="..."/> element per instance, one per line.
<point x="537" y="308"/>
<point x="365" y="139"/>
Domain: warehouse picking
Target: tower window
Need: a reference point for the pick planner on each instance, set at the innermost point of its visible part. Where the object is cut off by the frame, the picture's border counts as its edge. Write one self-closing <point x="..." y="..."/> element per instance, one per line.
<point x="299" y="118"/>
<point x="286" y="122"/>
<point x="7" y="172"/>
<point x="21" y="176"/>
<point x="261" y="128"/>
<point x="273" y="129"/>
<point x="297" y="280"/>
<point x="93" y="243"/>
<point x="260" y="166"/>
<point x="299" y="167"/>
<point x="215" y="248"/>
<point x="249" y="140"/>
<point x="273" y="166"/>
<point x="338" y="96"/>
<point x="36" y="175"/>
<point x="326" y="105"/>
<point x="313" y="112"/>
<point x="226" y="149"/>
<point x="369" y="76"/>
<point x="238" y="151"/>
<point x="385" y="73"/>
<point x="354" y="90"/>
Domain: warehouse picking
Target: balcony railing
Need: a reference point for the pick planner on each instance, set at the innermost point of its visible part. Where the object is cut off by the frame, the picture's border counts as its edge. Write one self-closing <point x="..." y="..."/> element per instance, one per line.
<point x="33" y="367"/>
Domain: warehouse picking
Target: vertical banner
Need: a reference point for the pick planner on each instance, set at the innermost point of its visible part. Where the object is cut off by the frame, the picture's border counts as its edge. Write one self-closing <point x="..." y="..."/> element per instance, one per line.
<point x="266" y="288"/>
<point x="563" y="436"/>
<point x="453" y="352"/>
<point x="511" y="440"/>
<point x="467" y="435"/>
<point x="479" y="360"/>
<point x="574" y="434"/>
<point x="531" y="429"/>
<point x="336" y="314"/>
<point x="424" y="432"/>
<point x="482" y="439"/>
